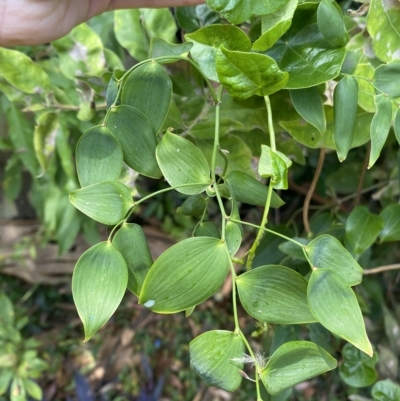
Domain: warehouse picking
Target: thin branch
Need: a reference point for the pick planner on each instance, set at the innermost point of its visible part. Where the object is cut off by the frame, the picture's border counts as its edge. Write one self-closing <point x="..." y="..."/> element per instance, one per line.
<point x="381" y="269"/>
<point x="362" y="176"/>
<point x="312" y="189"/>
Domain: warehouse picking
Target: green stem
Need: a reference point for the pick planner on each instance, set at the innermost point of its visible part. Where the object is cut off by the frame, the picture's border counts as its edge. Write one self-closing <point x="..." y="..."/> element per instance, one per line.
<point x="270" y="124"/>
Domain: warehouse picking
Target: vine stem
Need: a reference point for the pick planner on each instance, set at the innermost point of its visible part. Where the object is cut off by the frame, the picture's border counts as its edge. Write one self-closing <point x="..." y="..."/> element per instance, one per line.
<point x="382" y="269"/>
<point x="362" y="176"/>
<point x="312" y="189"/>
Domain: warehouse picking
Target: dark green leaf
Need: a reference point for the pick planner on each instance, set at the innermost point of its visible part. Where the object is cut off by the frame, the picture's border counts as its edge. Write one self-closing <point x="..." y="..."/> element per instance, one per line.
<point x="275" y="294"/>
<point x="192" y="206"/>
<point x="294" y="362"/>
<point x="98" y="285"/>
<point x="197" y="266"/>
<point x="193" y="18"/>
<point x="397" y="125"/>
<point x="207" y="229"/>
<point x="212" y="356"/>
<point x="136" y="135"/>
<point x="106" y="202"/>
<point x="386" y="390"/>
<point x="98" y="156"/>
<point x="357" y="368"/>
<point x="131" y="242"/>
<point x="326" y="252"/>
<point x="334" y="304"/>
<point x="113" y="87"/>
<point x="293" y="250"/>
<point x="386" y="78"/>
<point x="391" y="223"/>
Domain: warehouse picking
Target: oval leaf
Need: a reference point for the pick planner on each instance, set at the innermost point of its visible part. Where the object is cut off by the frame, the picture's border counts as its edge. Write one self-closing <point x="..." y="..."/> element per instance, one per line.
<point x="335" y="306"/>
<point x="98" y="285"/>
<point x="386" y="390"/>
<point x="131" y="242"/>
<point x="193" y="206"/>
<point x="149" y="89"/>
<point x="213" y="355"/>
<point x="391" y="223"/>
<point x="294" y="362"/>
<point x="345" y="100"/>
<point x="275" y="294"/>
<point x="207" y="229"/>
<point x="107" y="202"/>
<point x="182" y="163"/>
<point x="326" y="252"/>
<point x="233" y="237"/>
<point x="386" y="79"/>
<point x="98" y="156"/>
<point x="196" y="266"/>
<point x="137" y="138"/>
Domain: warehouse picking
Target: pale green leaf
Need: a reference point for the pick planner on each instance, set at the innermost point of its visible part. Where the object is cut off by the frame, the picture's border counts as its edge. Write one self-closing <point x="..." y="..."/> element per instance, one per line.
<point x="366" y="91"/>
<point x="33" y="389"/>
<point x="391" y="223"/>
<point x="160" y="47"/>
<point x="233" y="237"/>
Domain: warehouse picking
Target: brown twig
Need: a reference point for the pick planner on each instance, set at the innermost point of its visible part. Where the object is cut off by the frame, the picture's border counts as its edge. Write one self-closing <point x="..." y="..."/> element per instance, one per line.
<point x="362" y="176"/>
<point x="312" y="189"/>
<point x="381" y="269"/>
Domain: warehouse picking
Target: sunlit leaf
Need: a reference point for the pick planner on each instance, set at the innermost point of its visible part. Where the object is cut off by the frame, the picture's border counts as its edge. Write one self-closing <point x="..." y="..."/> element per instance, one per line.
<point x="275" y="165"/>
<point x="98" y="285"/>
<point x="197" y="266"/>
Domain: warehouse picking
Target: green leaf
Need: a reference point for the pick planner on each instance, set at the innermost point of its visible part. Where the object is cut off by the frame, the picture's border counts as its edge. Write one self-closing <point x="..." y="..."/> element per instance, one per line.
<point x="366" y="91"/>
<point x="334" y="304"/>
<point x="292" y="249"/>
<point x="308" y="104"/>
<point x="362" y="229"/>
<point x="131" y="242"/>
<point x="345" y="99"/>
<point x="107" y="202"/>
<point x="192" y="206"/>
<point x="68" y="225"/>
<point x="248" y="190"/>
<point x="304" y="53"/>
<point x="17" y="390"/>
<point x="386" y="390"/>
<point x="113" y="87"/>
<point x="7" y="310"/>
<point x="386" y="78"/>
<point x="98" y="285"/>
<point x="205" y="129"/>
<point x="274" y="25"/>
<point x="12" y="180"/>
<point x="197" y="266"/>
<point x="357" y="369"/>
<point x="98" y="156"/>
<point x="397" y="125"/>
<point x="6" y="376"/>
<point x="331" y="24"/>
<point x="245" y="74"/>
<point x="20" y="71"/>
<point x="212" y="356"/>
<point x="160" y="47"/>
<point x="275" y="294"/>
<point x="182" y="163"/>
<point x="382" y="23"/>
<point x="137" y="137"/>
<point x="380" y="127"/>
<point x="294" y="362"/>
<point x="233" y="237"/>
<point x="207" y="229"/>
<point x="238" y="11"/>
<point x="206" y="42"/>
<point x="326" y="252"/>
<point x="149" y="89"/>
<point x="80" y="52"/>
<point x="33" y="389"/>
<point x="193" y="18"/>
<point x="391" y="223"/>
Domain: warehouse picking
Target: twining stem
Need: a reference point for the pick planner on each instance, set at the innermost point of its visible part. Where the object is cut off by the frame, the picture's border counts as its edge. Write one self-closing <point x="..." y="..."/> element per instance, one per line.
<point x="382" y="269"/>
<point x="312" y="189"/>
<point x="362" y="176"/>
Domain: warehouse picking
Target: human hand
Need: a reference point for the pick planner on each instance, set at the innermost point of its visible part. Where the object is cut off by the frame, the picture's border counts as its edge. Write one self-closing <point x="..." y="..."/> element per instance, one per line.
<point x="32" y="22"/>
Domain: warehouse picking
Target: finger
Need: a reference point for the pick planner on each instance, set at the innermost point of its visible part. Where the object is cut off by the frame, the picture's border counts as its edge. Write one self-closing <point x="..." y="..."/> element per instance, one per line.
<point x="120" y="4"/>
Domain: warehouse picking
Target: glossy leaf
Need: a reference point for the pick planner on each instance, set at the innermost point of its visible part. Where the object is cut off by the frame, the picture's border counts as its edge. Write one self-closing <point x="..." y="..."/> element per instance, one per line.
<point x="213" y="355"/>
<point x="274" y="25"/>
<point x="251" y="191"/>
<point x="385" y="390"/>
<point x="293" y="363"/>
<point x="331" y="24"/>
<point x="386" y="78"/>
<point x="326" y="252"/>
<point x="304" y="53"/>
<point x="233" y="237"/>
<point x="345" y="99"/>
<point x="238" y="11"/>
<point x="308" y="104"/>
<point x="206" y="42"/>
<point x="106" y="202"/>
<point x="182" y="163"/>
<point x="207" y="229"/>
<point x="192" y="206"/>
<point x="245" y="74"/>
<point x="131" y="242"/>
<point x="362" y="229"/>
<point x="98" y="285"/>
<point x="382" y="23"/>
<point x="275" y="294"/>
<point x="136" y="135"/>
<point x="20" y="71"/>
<point x="145" y="87"/>
<point x="380" y="127"/>
<point x="98" y="156"/>
<point x="357" y="369"/>
<point x="334" y="304"/>
<point x="197" y="266"/>
<point x="391" y="223"/>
